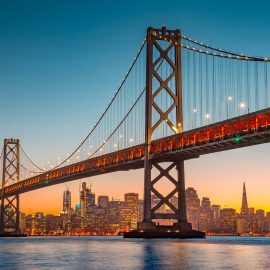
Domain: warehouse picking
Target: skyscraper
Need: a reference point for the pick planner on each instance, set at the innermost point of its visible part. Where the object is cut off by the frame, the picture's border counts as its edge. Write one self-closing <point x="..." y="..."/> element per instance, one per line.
<point x="88" y="207"/>
<point x="193" y="207"/>
<point x="131" y="201"/>
<point x="228" y="220"/>
<point x="243" y="219"/>
<point x="206" y="215"/>
<point x="216" y="217"/>
<point x="66" y="201"/>
<point x="114" y="214"/>
<point x="244" y="208"/>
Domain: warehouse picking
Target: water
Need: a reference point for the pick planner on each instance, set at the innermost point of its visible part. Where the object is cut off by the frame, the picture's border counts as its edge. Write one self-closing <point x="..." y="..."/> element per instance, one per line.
<point x="118" y="253"/>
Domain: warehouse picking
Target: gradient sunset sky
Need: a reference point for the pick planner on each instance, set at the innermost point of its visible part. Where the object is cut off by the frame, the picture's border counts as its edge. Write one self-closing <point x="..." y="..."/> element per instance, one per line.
<point x="62" y="61"/>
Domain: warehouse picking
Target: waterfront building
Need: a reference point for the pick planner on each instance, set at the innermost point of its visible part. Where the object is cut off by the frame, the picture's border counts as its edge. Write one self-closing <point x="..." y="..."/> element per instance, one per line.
<point x="125" y="217"/>
<point x="140" y="207"/>
<point x="206" y="215"/>
<point x="216" y="218"/>
<point x="193" y="207"/>
<point x="228" y="220"/>
<point x="114" y="215"/>
<point x="259" y="221"/>
<point x="131" y="201"/>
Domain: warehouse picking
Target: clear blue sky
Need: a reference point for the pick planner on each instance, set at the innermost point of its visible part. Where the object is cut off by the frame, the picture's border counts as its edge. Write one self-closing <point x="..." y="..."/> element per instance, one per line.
<point x="61" y="61"/>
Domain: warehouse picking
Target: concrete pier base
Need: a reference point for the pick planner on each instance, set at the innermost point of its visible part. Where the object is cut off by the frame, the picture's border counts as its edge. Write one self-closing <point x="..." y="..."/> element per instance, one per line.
<point x="178" y="230"/>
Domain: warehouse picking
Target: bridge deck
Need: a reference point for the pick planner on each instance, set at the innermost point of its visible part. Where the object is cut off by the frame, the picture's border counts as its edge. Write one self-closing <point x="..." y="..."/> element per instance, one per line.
<point x="246" y="130"/>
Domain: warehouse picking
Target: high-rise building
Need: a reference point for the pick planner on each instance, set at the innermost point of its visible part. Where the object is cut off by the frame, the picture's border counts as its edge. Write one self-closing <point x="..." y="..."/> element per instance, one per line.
<point x="243" y="219"/>
<point x="216" y="217"/>
<point x="125" y="217"/>
<point x="131" y="201"/>
<point x="88" y="207"/>
<point x="206" y="215"/>
<point x="67" y="201"/>
<point x="103" y="201"/>
<point x="228" y="220"/>
<point x="140" y="215"/>
<point x="259" y="219"/>
<point x="114" y="215"/>
<point x="193" y="207"/>
<point x="244" y="208"/>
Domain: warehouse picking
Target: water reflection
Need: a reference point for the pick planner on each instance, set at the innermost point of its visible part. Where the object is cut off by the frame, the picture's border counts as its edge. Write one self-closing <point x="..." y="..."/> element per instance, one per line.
<point x="117" y="253"/>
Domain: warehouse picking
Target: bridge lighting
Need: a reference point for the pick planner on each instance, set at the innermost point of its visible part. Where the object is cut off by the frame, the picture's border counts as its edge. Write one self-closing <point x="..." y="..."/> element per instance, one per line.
<point x="100" y="150"/>
<point x="230" y="98"/>
<point x="207" y="116"/>
<point x="78" y="157"/>
<point x="242" y="105"/>
<point x="238" y="139"/>
<point x="88" y="153"/>
<point x="131" y="140"/>
<point x="120" y="136"/>
<point x="194" y="110"/>
<point x="90" y="146"/>
<point x="115" y="145"/>
<point x="68" y="160"/>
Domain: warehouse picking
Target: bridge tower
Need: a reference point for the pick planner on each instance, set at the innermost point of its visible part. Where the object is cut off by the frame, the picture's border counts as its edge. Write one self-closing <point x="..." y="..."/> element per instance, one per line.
<point x="171" y="55"/>
<point x="10" y="214"/>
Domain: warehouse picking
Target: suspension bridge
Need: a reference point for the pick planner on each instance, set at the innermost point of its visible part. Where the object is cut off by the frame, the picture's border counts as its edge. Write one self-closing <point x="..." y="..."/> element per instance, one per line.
<point x="180" y="99"/>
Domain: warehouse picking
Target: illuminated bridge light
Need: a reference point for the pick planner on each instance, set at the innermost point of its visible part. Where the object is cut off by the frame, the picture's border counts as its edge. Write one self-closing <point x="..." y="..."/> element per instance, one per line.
<point x="46" y="182"/>
<point x="238" y="139"/>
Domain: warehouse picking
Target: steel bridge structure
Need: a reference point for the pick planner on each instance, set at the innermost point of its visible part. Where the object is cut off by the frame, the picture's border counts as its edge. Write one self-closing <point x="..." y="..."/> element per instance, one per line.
<point x="179" y="100"/>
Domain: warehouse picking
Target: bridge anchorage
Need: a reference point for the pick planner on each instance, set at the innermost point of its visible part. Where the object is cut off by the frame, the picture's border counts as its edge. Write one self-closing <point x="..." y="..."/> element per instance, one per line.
<point x="155" y="84"/>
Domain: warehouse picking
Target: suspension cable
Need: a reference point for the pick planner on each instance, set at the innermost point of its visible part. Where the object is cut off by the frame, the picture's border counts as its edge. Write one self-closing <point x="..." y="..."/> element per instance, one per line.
<point x="31" y="161"/>
<point x="104" y="113"/>
<point x="240" y="55"/>
<point x="221" y="55"/>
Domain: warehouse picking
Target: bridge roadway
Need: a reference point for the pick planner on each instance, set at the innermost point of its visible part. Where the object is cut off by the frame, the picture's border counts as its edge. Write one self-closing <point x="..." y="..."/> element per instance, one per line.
<point x="246" y="130"/>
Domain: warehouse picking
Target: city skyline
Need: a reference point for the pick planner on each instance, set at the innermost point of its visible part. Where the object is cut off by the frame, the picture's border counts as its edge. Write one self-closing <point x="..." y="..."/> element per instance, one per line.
<point x="98" y="215"/>
<point x="75" y="199"/>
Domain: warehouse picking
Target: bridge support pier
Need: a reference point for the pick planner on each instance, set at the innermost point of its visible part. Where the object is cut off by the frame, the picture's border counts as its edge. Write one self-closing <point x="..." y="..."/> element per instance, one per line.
<point x="162" y="117"/>
<point x="10" y="208"/>
<point x="177" y="210"/>
<point x="174" y="200"/>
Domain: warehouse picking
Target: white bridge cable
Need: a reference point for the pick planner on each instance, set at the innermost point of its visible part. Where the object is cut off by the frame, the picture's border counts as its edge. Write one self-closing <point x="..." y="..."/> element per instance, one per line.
<point x="222" y="87"/>
<point x="230" y="54"/>
<point x="120" y="124"/>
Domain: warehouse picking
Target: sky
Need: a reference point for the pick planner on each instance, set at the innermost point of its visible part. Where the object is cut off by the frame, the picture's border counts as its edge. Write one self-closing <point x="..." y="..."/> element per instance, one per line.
<point x="62" y="61"/>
